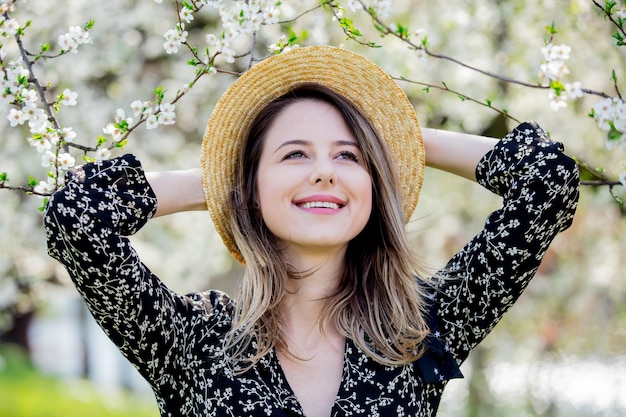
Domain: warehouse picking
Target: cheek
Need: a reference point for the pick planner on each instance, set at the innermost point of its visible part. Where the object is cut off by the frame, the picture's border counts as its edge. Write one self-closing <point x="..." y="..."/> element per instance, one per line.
<point x="367" y="196"/>
<point x="268" y="200"/>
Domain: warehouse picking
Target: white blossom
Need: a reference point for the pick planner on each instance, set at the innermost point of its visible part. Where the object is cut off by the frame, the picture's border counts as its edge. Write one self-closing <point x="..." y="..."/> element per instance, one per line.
<point x="174" y="38"/>
<point x="553" y="70"/>
<point x="68" y="134"/>
<point x="167" y="107"/>
<point x="554" y="56"/>
<point x="271" y="16"/>
<point x="66" y="161"/>
<point x="42" y="144"/>
<point x="604" y="112"/>
<point x="167" y="118"/>
<point x="11" y="26"/>
<point x="152" y="122"/>
<point x="556" y="52"/>
<point x="382" y="8"/>
<point x="114" y="131"/>
<point x="17" y="117"/>
<point x="51" y="136"/>
<point x="102" y="153"/>
<point x="557" y="101"/>
<point x="186" y="14"/>
<point x="6" y="7"/>
<point x="619" y="120"/>
<point x="69" y="97"/>
<point x="354" y="5"/>
<point x="80" y="35"/>
<point x="44" y="187"/>
<point x="574" y="90"/>
<point x="68" y="43"/>
<point x="28" y="97"/>
<point x="47" y="159"/>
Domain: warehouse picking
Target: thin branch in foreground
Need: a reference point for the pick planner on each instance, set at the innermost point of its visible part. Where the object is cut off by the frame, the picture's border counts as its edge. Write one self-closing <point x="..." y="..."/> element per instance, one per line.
<point x="385" y="29"/>
<point x="25" y="189"/>
<point x="460" y="96"/>
<point x="609" y="16"/>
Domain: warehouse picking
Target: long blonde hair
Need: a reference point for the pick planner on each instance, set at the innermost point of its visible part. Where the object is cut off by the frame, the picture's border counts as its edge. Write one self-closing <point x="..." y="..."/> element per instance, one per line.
<point x="379" y="303"/>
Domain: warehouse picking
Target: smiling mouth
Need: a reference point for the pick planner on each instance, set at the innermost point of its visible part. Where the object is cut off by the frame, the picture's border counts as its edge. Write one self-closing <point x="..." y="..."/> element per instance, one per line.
<point x="320" y="204"/>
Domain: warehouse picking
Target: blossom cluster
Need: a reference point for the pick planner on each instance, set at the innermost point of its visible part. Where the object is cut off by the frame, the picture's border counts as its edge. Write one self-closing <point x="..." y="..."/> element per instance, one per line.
<point x="241" y="18"/>
<point x="238" y="18"/>
<point x="381" y="8"/>
<point x="174" y="38"/>
<point x="26" y="107"/>
<point x="70" y="41"/>
<point x="143" y="111"/>
<point x="610" y="114"/>
<point x="553" y="69"/>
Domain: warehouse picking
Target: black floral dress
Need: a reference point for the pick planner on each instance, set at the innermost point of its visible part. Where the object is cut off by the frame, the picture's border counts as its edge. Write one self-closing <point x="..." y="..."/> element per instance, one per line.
<point x="175" y="340"/>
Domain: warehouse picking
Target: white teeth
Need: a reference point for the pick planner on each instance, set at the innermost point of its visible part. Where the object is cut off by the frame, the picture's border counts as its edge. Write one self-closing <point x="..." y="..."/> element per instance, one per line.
<point x="322" y="204"/>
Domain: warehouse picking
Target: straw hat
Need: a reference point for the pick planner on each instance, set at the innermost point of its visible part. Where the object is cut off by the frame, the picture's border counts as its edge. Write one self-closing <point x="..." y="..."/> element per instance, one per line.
<point x="361" y="81"/>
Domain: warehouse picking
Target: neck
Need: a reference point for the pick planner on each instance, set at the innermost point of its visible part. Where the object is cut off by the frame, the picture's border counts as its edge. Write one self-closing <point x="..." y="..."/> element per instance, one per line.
<point x="303" y="304"/>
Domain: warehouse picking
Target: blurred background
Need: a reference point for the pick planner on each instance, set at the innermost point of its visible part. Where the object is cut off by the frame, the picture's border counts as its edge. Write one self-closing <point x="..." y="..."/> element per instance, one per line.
<point x="561" y="351"/>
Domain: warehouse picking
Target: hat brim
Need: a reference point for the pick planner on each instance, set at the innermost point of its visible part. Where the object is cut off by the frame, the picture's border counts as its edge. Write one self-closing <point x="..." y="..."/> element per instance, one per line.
<point x="362" y="82"/>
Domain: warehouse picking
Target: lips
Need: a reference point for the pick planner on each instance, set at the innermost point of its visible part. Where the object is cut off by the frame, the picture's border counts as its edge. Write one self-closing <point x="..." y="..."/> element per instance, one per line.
<point x="324" y="202"/>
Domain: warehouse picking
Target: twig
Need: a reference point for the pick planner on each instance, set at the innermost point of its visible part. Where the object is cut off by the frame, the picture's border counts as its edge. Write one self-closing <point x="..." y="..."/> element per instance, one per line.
<point x="460" y="95"/>
<point x="607" y="13"/>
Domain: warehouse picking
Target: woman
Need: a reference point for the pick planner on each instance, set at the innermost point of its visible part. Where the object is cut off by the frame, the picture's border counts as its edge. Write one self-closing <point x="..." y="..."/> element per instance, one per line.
<point x="312" y="163"/>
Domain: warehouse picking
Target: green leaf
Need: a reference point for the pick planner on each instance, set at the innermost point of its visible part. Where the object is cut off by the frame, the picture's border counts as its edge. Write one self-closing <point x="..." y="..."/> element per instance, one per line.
<point x="89" y="25"/>
<point x="121" y="144"/>
<point x="160" y="93"/>
<point x="32" y="182"/>
<point x="43" y="204"/>
<point x="122" y="125"/>
<point x="609" y="5"/>
<point x="4" y="177"/>
<point x="402" y="32"/>
<point x="558" y="87"/>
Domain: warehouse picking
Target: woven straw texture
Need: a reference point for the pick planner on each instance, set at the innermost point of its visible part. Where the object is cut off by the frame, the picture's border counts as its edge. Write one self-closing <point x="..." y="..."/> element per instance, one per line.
<point x="362" y="82"/>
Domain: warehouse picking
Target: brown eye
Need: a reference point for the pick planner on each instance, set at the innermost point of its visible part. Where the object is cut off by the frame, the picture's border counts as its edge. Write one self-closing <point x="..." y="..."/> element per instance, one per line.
<point x="294" y="155"/>
<point x="348" y="155"/>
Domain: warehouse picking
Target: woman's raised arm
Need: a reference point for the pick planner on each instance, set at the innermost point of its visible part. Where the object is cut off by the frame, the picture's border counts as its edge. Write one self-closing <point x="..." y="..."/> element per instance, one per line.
<point x="457" y="153"/>
<point x="177" y="191"/>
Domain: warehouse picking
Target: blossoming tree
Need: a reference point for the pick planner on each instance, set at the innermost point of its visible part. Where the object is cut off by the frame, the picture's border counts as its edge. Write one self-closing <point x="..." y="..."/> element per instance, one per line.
<point x="91" y="79"/>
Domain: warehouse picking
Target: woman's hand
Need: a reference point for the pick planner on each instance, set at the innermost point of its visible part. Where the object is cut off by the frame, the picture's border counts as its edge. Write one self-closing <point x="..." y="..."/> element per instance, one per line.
<point x="177" y="191"/>
<point x="457" y="153"/>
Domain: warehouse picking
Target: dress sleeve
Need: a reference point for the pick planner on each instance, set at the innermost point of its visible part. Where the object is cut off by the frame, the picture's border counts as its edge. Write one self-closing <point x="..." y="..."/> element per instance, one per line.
<point x="539" y="185"/>
<point x="86" y="224"/>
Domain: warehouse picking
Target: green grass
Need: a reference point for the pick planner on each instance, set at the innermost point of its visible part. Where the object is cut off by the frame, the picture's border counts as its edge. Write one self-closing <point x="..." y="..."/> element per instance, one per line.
<point x="26" y="393"/>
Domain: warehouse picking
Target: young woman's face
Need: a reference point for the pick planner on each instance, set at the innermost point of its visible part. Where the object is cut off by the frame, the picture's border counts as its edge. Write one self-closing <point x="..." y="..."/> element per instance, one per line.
<point x="313" y="189"/>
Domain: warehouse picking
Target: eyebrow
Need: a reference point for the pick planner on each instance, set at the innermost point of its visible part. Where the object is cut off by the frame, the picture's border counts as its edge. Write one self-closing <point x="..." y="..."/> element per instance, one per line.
<point x="304" y="142"/>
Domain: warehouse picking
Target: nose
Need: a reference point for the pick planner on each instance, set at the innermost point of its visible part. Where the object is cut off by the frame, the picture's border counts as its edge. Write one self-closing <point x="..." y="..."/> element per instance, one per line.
<point x="323" y="171"/>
